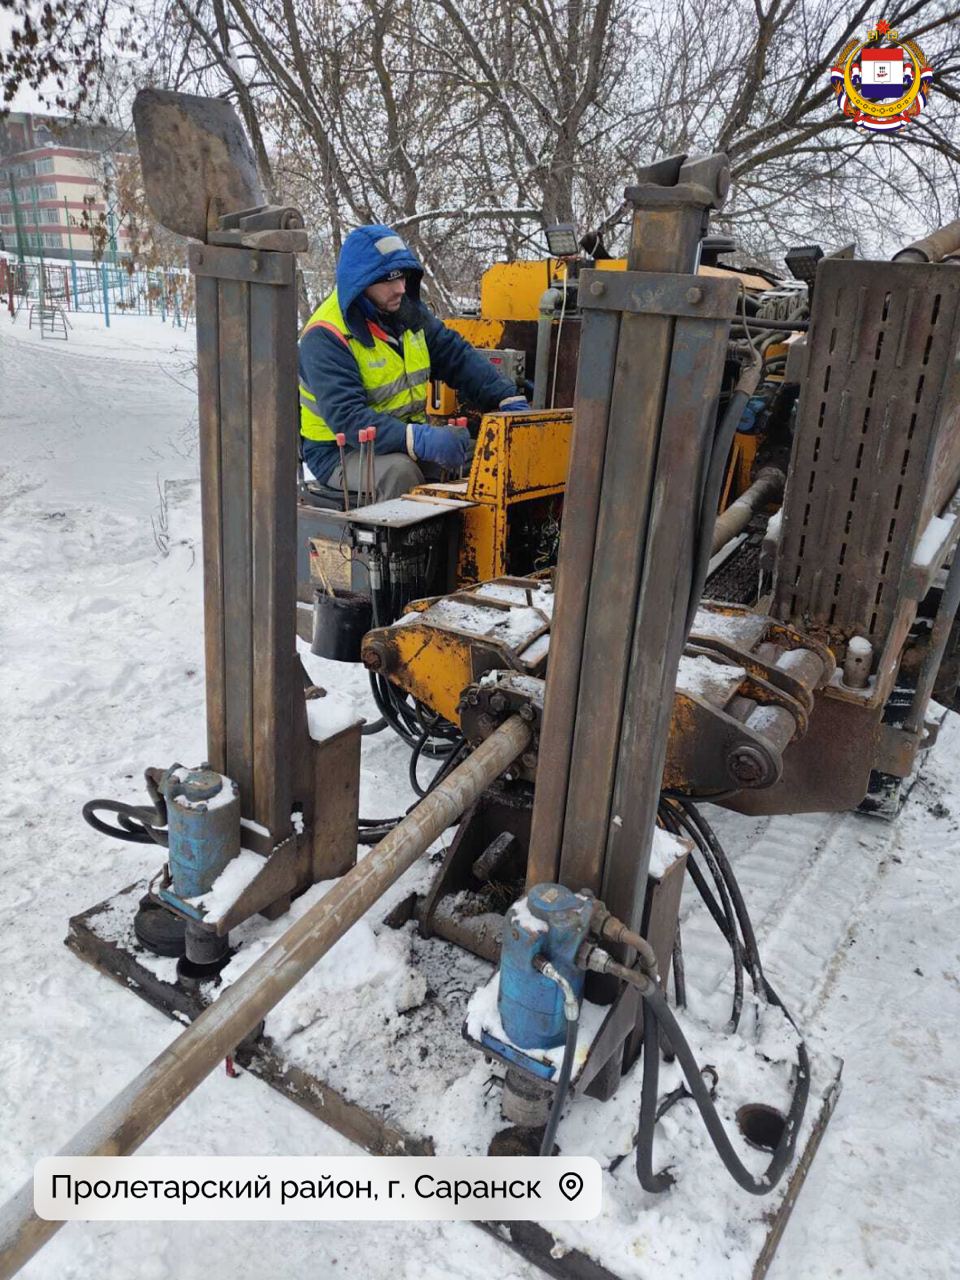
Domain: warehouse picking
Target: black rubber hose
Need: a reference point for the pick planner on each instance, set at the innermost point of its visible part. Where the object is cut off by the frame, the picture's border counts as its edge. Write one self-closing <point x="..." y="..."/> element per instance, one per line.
<point x="722" y="912"/>
<point x="136" y="824"/>
<point x="751" y="949"/>
<point x="375" y="726"/>
<point x="679" y="977"/>
<point x="713" y="485"/>
<point x="658" y="1012"/>
<point x="786" y="326"/>
<point x="415" y="760"/>
<point x="372" y="830"/>
<point x="401" y="718"/>
<point x="563" y="1087"/>
<point x="650" y="1181"/>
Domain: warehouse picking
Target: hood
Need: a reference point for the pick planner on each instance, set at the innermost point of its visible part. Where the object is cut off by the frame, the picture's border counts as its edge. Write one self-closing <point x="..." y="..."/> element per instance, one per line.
<point x="367" y="255"/>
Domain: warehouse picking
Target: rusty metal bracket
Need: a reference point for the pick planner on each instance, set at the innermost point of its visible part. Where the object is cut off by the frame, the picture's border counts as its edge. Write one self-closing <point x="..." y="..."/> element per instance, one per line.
<point x="701" y="181"/>
<point x="266" y="226"/>
<point x="251" y="266"/>
<point x="484" y="707"/>
<point x="710" y="752"/>
<point x="758" y="686"/>
<point x="658" y="293"/>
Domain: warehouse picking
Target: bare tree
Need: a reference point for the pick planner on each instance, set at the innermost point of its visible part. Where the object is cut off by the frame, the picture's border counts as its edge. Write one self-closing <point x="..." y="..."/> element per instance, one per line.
<point x="465" y="128"/>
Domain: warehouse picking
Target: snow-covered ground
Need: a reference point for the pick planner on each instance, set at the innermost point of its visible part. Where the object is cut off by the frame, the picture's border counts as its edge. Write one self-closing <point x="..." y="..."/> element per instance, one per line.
<point x="100" y="644"/>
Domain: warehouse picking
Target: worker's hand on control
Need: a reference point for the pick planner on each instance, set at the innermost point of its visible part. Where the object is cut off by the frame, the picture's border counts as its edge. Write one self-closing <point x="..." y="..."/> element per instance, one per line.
<point x="515" y="404"/>
<point x="446" y="446"/>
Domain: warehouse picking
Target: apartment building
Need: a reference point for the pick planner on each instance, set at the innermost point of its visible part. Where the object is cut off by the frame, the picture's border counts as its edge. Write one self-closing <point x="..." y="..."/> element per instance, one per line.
<point x="55" y="182"/>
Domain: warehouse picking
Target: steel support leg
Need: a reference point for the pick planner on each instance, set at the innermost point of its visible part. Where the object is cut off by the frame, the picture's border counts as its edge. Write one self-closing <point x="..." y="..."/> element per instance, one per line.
<point x="652" y="350"/>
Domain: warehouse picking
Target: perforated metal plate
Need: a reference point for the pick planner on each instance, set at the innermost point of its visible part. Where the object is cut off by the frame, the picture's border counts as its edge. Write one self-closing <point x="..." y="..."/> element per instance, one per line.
<point x="877" y="446"/>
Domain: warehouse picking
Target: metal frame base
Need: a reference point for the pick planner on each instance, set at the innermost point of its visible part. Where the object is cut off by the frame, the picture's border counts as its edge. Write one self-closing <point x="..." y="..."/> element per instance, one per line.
<point x="103" y="936"/>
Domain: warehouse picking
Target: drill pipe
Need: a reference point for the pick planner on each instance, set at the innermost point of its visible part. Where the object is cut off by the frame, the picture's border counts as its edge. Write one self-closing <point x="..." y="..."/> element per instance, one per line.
<point x="126" y="1122"/>
<point x="943" y="242"/>
<point x="767" y="487"/>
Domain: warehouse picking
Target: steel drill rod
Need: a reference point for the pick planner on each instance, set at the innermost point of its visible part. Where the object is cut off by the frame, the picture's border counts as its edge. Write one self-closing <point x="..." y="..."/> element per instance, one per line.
<point x="934" y="247"/>
<point x="767" y="487"/>
<point x="126" y="1122"/>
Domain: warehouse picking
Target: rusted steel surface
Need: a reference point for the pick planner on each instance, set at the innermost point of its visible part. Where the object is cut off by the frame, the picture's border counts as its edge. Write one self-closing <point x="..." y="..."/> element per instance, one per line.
<point x="180" y="134"/>
<point x="336" y="764"/>
<point x="876" y="451"/>
<point x="246" y="264"/>
<point x="767" y="487"/>
<point x="619" y="554"/>
<point x="828" y="770"/>
<point x="659" y="629"/>
<point x="273" y="461"/>
<point x="577" y="541"/>
<point x="933" y="247"/>
<point x="237" y="534"/>
<point x="247" y="392"/>
<point x="616" y="443"/>
<point x="136" y="1112"/>
<point x="208" y="392"/>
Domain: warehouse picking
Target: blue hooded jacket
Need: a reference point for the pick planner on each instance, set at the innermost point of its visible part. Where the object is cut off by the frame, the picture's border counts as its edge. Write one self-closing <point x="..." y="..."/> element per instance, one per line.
<point x="330" y="371"/>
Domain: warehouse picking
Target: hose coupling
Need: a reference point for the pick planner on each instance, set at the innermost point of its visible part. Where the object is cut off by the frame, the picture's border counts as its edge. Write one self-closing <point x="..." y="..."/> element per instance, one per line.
<point x="596" y="960"/>
<point x="571" y="1006"/>
<point x="607" y="927"/>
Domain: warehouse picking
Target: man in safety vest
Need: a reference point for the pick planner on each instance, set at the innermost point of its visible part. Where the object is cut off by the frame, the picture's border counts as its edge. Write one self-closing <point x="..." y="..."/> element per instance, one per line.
<point x="366" y="357"/>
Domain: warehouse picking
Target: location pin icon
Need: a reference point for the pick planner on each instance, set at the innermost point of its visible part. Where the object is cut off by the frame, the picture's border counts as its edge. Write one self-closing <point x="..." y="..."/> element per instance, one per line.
<point x="571" y="1184"/>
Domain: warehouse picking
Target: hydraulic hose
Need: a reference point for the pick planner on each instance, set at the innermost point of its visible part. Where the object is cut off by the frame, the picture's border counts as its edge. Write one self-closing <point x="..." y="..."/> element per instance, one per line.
<point x="658" y="1014"/>
<point x="751" y="949"/>
<point x="571" y="1010"/>
<point x="137" y="825"/>
<point x="723" y="912"/>
<point x="713" y="484"/>
<point x="659" y="1020"/>
<point x="650" y="1181"/>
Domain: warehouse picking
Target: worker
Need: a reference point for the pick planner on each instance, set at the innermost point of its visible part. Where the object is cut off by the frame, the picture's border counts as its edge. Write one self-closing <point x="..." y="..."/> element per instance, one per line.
<point x="366" y="357"/>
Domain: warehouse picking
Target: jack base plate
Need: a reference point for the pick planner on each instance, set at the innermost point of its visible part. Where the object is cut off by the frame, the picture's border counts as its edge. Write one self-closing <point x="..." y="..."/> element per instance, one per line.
<point x="376" y="1103"/>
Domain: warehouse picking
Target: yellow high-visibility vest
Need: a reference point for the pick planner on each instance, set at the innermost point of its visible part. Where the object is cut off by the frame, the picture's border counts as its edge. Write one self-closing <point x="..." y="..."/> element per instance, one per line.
<point x="395" y="383"/>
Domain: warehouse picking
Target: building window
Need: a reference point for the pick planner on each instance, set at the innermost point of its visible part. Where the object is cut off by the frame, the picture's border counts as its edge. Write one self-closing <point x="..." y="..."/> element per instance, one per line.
<point x="53" y="240"/>
<point x="48" y="192"/>
<point x="50" y="215"/>
<point x="45" y="165"/>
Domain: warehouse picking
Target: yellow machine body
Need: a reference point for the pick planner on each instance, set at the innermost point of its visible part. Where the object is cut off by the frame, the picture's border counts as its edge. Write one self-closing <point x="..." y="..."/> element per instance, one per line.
<point x="512" y="291"/>
<point x="736" y="662"/>
<point x="452" y="641"/>
<point x="519" y="458"/>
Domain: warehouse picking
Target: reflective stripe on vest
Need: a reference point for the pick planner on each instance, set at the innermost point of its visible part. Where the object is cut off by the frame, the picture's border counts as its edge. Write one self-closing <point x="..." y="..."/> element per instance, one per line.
<point x="393" y="383"/>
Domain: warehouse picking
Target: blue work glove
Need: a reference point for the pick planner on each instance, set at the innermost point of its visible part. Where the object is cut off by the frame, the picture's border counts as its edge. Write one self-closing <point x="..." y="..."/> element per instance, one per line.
<point x="441" y="445"/>
<point x="515" y="404"/>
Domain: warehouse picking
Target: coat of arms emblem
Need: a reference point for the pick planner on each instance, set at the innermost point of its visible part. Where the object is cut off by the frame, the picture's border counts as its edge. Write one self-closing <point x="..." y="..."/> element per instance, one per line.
<point x="883" y="82"/>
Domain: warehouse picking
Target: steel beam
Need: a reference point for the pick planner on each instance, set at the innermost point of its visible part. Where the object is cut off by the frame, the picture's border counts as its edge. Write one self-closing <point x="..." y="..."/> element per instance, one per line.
<point x="247" y="375"/>
<point x="651" y="358"/>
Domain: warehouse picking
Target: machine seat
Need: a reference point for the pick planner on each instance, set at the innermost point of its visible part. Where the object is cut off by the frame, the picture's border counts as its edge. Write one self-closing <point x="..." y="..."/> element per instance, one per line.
<point x="325" y="497"/>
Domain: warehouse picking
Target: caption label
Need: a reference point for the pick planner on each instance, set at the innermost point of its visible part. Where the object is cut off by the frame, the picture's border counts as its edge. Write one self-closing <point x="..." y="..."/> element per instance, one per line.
<point x="364" y="1188"/>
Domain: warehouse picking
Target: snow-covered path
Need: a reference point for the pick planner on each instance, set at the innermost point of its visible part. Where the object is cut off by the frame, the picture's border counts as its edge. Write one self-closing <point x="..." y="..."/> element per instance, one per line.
<point x="100" y="644"/>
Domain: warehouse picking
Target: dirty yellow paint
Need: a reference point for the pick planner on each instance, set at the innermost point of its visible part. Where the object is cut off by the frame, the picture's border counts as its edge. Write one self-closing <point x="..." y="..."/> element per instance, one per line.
<point x="740" y="467"/>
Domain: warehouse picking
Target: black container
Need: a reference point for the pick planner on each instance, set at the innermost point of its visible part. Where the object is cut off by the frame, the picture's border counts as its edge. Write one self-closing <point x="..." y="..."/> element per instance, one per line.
<point x="340" y="622"/>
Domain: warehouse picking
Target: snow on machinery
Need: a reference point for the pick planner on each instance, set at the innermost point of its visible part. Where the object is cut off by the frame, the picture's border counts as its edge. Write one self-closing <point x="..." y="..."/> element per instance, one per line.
<point x="571" y="851"/>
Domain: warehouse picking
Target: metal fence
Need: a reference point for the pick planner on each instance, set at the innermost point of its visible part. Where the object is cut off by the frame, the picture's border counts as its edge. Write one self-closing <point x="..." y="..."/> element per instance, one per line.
<point x="104" y="289"/>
